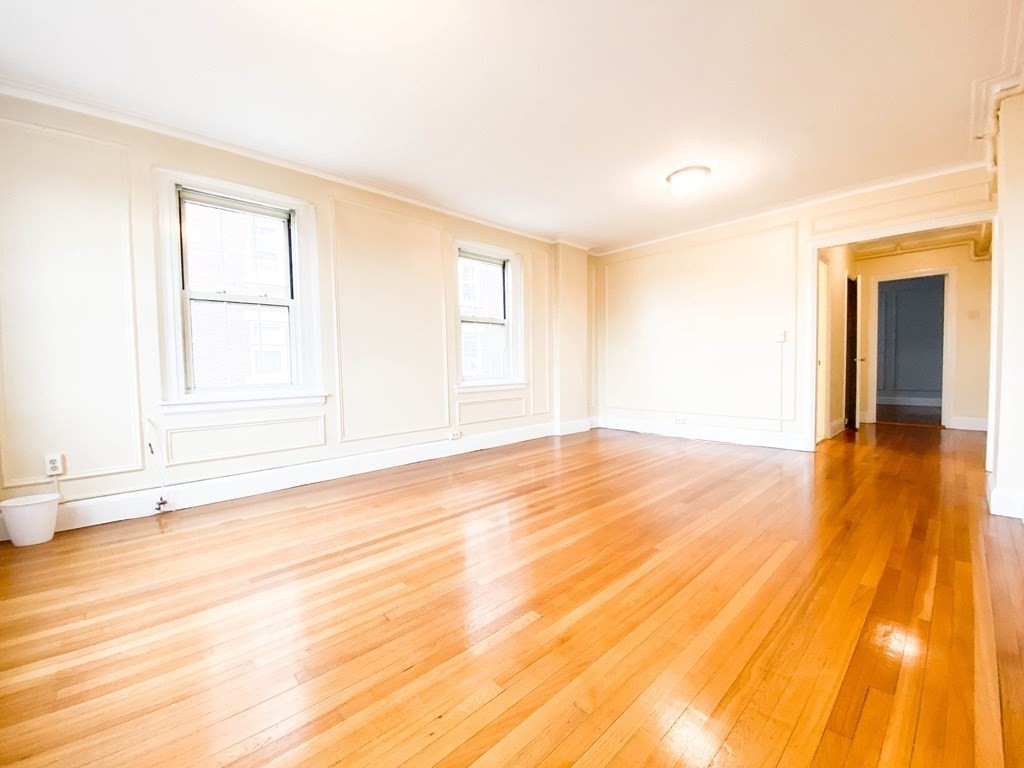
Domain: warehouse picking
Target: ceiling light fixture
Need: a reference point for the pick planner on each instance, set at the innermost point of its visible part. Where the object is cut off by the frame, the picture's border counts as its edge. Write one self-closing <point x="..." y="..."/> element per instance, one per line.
<point x="688" y="180"/>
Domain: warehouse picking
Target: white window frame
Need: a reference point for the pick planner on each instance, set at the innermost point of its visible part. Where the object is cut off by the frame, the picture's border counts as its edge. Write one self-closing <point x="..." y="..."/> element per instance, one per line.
<point x="512" y="264"/>
<point x="307" y="377"/>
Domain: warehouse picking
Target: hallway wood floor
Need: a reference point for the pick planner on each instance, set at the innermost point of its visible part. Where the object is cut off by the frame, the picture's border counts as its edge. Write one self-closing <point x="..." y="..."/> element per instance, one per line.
<point x="601" y="599"/>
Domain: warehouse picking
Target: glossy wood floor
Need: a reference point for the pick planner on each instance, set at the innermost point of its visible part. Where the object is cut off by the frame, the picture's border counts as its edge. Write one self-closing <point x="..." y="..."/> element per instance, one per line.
<point x="921" y="415"/>
<point x="607" y="599"/>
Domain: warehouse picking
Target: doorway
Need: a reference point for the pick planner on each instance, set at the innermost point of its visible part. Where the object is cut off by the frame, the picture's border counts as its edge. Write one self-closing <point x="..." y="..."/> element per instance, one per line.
<point x="958" y="257"/>
<point x="909" y="348"/>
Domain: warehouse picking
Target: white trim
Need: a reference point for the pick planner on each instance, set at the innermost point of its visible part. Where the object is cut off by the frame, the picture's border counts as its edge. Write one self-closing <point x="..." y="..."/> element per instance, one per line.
<point x="53" y="98"/>
<point x="503" y="386"/>
<point x="837" y="426"/>
<point x="574" y="427"/>
<point x="949" y="337"/>
<point x="900" y="400"/>
<point x="236" y="404"/>
<point x="1007" y="502"/>
<point x="134" y="504"/>
<point x="305" y="337"/>
<point x="823" y="367"/>
<point x="896" y="181"/>
<point x="906" y="228"/>
<point x="786" y="440"/>
<point x="595" y="422"/>
<point x="972" y="423"/>
<point x="515" y="300"/>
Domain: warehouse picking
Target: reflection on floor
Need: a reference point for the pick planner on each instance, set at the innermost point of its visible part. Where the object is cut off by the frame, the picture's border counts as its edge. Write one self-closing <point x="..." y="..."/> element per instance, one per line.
<point x="599" y="599"/>
<point x="923" y="415"/>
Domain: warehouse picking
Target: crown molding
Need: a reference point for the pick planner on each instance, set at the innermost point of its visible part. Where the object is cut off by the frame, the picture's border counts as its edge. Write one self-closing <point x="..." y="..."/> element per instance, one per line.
<point x="984" y="93"/>
<point x="890" y="183"/>
<point x="54" y="98"/>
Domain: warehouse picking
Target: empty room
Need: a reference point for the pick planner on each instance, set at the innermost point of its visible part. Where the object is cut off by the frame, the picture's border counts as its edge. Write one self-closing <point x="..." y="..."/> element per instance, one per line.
<point x="512" y="383"/>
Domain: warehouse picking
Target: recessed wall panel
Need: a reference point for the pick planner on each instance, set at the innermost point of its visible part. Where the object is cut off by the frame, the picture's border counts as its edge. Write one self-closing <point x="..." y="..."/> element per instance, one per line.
<point x="391" y="314"/>
<point x="187" y="445"/>
<point x="66" y="322"/>
<point x="696" y="330"/>
<point x="540" y="287"/>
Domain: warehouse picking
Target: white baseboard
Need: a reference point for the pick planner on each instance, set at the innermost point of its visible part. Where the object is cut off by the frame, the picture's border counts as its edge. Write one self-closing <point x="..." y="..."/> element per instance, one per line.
<point x="973" y="423"/>
<point x="127" y="506"/>
<point x="572" y="427"/>
<point x="1007" y="502"/>
<point x="899" y="400"/>
<point x="787" y="440"/>
<point x="837" y="426"/>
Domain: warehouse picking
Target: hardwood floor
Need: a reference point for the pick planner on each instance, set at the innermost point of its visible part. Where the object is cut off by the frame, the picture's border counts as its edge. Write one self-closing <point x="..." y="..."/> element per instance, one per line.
<point x="920" y="415"/>
<point x="603" y="599"/>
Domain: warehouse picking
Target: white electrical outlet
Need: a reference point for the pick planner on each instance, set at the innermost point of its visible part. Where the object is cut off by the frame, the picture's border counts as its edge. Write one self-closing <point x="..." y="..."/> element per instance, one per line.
<point x="54" y="464"/>
<point x="679" y="420"/>
<point x="455" y="434"/>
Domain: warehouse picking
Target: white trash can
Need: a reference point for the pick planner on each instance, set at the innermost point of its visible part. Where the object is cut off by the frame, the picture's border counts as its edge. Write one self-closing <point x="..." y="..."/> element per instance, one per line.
<point x="31" y="519"/>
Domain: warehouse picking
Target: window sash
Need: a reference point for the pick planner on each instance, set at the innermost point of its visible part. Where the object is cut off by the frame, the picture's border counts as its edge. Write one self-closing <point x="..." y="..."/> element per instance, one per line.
<point x="503" y="263"/>
<point x="503" y="321"/>
<point x="211" y="200"/>
<point x="187" y="330"/>
<point x="233" y="203"/>
<point x="189" y="296"/>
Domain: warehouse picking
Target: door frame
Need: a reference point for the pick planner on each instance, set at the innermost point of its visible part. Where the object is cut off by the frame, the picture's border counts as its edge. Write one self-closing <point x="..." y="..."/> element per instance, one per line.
<point x="949" y="335"/>
<point x="823" y="427"/>
<point x="858" y="283"/>
<point x="807" y="368"/>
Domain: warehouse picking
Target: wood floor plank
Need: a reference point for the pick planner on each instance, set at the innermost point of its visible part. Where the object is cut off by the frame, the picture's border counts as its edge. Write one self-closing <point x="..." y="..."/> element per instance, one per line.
<point x="603" y="599"/>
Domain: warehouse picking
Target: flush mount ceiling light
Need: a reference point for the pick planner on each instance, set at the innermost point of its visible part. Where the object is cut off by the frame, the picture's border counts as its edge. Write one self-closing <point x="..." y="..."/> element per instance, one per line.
<point x="688" y="180"/>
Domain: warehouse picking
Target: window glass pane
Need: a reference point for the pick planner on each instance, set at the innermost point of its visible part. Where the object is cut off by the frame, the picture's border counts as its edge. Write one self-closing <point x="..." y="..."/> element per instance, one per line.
<point x="481" y="288"/>
<point x="484" y="353"/>
<point x="239" y="345"/>
<point x="235" y="252"/>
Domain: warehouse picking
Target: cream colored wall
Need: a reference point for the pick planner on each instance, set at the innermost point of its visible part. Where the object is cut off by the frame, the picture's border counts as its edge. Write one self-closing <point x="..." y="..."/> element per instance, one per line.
<point x="972" y="296"/>
<point x="80" y="329"/>
<point x="595" y="325"/>
<point x="689" y="325"/>
<point x="682" y="333"/>
<point x="713" y="329"/>
<point x="571" y="371"/>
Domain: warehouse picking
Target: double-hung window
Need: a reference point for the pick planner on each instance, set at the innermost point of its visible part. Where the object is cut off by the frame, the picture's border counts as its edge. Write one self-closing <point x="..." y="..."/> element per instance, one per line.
<point x="237" y="292"/>
<point x="489" y="288"/>
<point x="239" y="309"/>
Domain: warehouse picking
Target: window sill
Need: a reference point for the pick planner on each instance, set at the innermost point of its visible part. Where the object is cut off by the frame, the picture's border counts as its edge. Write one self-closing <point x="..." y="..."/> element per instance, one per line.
<point x="239" y="402"/>
<point x="492" y="386"/>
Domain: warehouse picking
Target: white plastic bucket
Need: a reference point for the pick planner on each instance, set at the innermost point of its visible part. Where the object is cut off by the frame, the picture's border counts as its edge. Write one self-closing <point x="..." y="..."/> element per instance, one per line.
<point x="30" y="519"/>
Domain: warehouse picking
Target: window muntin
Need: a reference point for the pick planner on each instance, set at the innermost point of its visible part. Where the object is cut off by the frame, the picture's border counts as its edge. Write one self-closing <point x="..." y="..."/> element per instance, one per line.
<point x="484" y="318"/>
<point x="238" y="293"/>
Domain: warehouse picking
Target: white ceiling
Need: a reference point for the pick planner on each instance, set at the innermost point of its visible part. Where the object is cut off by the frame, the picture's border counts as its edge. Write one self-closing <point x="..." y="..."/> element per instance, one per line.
<point x="557" y="117"/>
